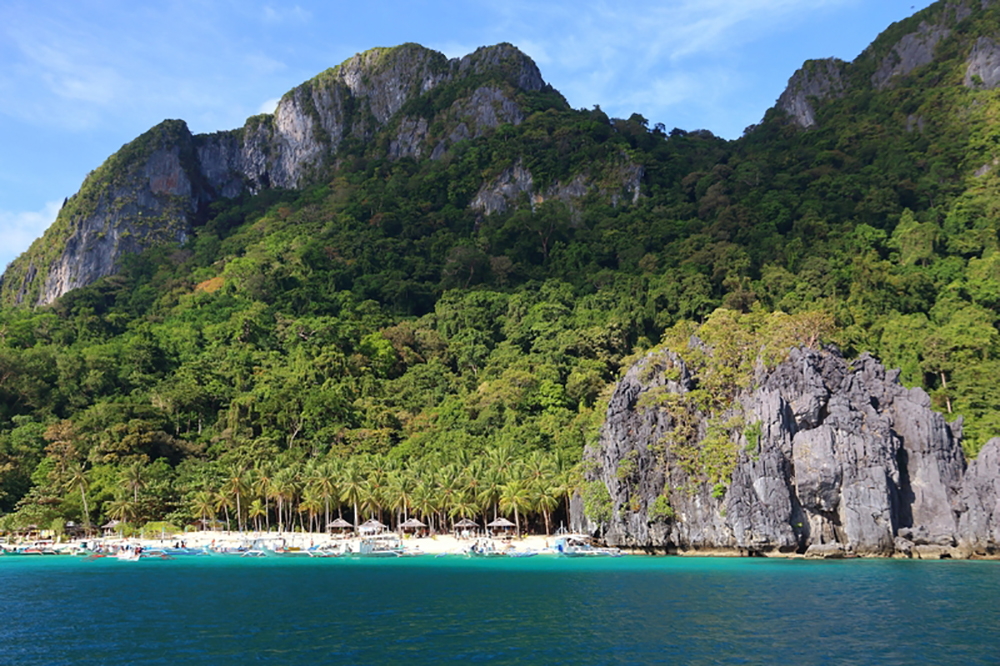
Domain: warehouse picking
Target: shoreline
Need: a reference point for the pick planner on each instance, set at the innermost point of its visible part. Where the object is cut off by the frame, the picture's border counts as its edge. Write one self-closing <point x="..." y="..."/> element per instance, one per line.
<point x="449" y="544"/>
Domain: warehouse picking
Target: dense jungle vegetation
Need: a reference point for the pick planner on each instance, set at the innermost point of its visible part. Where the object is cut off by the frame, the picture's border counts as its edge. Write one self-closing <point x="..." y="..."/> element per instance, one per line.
<point x="371" y="344"/>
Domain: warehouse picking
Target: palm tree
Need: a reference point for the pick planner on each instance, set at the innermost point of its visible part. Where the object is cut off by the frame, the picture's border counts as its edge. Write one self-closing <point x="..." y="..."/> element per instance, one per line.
<point x="203" y="505"/>
<point x="76" y="478"/>
<point x="133" y="477"/>
<point x="462" y="506"/>
<point x="262" y="478"/>
<point x="352" y="486"/>
<point x="255" y="511"/>
<point x="121" y="509"/>
<point x="312" y="503"/>
<point x="515" y="496"/>
<point x="448" y="487"/>
<point x="490" y="486"/>
<point x="547" y="495"/>
<point x="235" y="485"/>
<point x="400" y="488"/>
<point x="284" y="488"/>
<point x="424" y="502"/>
<point x="222" y="502"/>
<point x="323" y="479"/>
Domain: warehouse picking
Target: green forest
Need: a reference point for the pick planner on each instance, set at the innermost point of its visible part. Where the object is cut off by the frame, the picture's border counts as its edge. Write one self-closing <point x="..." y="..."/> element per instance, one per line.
<point x="369" y="345"/>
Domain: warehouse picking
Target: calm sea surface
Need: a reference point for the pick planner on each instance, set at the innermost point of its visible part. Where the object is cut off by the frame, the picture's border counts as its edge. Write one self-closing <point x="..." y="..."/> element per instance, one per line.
<point x="542" y="610"/>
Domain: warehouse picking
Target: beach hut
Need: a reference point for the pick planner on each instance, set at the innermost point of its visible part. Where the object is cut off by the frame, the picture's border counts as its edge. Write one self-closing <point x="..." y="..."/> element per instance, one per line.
<point x="501" y="524"/>
<point x="465" y="528"/>
<point x="110" y="527"/>
<point x="412" y="524"/>
<point x="370" y="527"/>
<point x="340" y="525"/>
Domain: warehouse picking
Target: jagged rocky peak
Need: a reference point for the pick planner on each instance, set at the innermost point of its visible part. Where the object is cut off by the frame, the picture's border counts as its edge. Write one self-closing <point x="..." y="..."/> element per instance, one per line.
<point x="822" y="456"/>
<point x="816" y="81"/>
<point x="912" y="51"/>
<point x="144" y="194"/>
<point x="917" y="47"/>
<point x="358" y="98"/>
<point x="149" y="192"/>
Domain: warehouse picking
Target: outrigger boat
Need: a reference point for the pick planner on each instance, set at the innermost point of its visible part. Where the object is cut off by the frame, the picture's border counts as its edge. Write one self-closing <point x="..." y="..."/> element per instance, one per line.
<point x="581" y="545"/>
<point x="381" y="545"/>
<point x="484" y="548"/>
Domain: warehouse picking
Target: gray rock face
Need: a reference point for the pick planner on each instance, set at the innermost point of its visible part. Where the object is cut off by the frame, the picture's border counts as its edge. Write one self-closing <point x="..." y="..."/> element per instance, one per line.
<point x="818" y="80"/>
<point x="516" y="184"/>
<point x="983" y="65"/>
<point x="843" y="460"/>
<point x="144" y="196"/>
<point x="912" y="51"/>
<point x="363" y="95"/>
<point x="979" y="525"/>
<point x="125" y="222"/>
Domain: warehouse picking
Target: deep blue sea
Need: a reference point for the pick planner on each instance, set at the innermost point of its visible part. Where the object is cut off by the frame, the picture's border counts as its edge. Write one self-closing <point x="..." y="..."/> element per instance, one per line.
<point x="542" y="610"/>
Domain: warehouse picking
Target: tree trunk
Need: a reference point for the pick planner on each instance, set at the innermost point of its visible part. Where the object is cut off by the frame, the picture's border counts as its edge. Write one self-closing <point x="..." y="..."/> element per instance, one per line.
<point x="86" y="511"/>
<point x="944" y="385"/>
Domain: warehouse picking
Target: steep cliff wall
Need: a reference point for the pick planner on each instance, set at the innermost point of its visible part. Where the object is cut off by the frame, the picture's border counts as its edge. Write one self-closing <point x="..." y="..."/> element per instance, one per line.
<point x="817" y="81"/>
<point x="151" y="190"/>
<point x="145" y="194"/>
<point x="823" y="456"/>
<point x="902" y="49"/>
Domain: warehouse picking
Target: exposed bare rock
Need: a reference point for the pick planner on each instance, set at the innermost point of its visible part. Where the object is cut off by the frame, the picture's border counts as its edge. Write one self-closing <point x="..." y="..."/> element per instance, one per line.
<point x="979" y="525"/>
<point x="915" y="123"/>
<point x="818" y="80"/>
<point x="983" y="65"/>
<point x="495" y="197"/>
<point x="516" y="183"/>
<point x="154" y="197"/>
<point x="144" y="195"/>
<point x="486" y="109"/>
<point x="912" y="51"/>
<point x="841" y="460"/>
<point x="409" y="139"/>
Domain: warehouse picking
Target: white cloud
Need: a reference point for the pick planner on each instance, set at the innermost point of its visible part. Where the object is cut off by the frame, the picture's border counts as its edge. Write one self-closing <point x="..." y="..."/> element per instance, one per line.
<point x="262" y="64"/>
<point x="453" y="49"/>
<point x="282" y="15"/>
<point x="20" y="228"/>
<point x="269" y="106"/>
<point x="652" y="57"/>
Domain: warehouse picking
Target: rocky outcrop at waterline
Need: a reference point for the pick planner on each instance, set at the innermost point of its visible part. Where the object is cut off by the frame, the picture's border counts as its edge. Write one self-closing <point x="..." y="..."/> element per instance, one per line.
<point x="821" y="457"/>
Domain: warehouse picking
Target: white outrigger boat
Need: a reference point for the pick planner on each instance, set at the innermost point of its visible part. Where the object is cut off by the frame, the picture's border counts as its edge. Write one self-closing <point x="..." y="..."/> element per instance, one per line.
<point x="581" y="545"/>
<point x="381" y="545"/>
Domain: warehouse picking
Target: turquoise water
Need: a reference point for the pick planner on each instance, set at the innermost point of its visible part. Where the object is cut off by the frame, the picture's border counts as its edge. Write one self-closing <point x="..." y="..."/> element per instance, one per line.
<point x="633" y="610"/>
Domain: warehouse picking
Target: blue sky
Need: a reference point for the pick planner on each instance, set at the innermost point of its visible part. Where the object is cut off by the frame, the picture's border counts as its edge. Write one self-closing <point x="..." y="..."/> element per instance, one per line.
<point x="80" y="79"/>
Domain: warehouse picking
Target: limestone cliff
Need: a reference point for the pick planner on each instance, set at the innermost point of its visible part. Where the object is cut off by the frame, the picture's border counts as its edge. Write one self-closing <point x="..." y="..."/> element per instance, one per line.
<point x="823" y="456"/>
<point x="145" y="194"/>
<point x="151" y="191"/>
<point x="817" y="81"/>
<point x="901" y="50"/>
